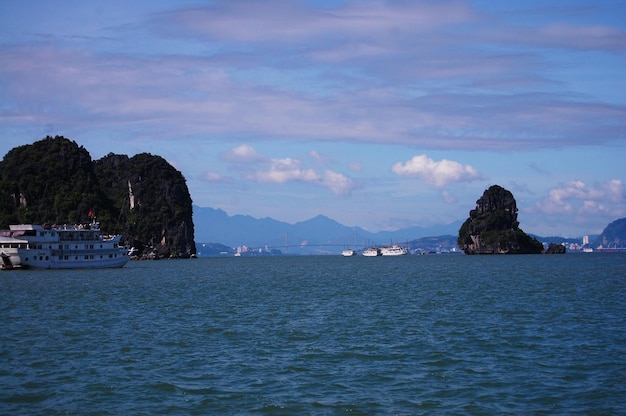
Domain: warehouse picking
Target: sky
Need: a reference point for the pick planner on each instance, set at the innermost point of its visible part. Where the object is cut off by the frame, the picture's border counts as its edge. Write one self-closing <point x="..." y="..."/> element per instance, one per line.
<point x="378" y="114"/>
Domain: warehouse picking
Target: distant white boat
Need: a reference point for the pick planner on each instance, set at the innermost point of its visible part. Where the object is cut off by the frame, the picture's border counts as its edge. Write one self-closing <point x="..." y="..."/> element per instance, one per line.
<point x="372" y="252"/>
<point x="394" y="250"/>
<point x="348" y="252"/>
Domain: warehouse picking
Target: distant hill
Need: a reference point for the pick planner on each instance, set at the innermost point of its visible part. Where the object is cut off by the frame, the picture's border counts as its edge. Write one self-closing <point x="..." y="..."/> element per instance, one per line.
<point x="614" y="235"/>
<point x="216" y="226"/>
<point x="559" y="240"/>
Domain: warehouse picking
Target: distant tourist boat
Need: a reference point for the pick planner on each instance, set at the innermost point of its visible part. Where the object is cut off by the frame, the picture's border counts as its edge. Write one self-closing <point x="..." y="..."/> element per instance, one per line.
<point x="60" y="247"/>
<point x="394" y="250"/>
<point x="372" y="252"/>
<point x="348" y="252"/>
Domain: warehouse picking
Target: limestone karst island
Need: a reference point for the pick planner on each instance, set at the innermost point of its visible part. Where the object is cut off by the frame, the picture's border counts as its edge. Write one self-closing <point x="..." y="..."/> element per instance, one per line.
<point x="142" y="198"/>
<point x="492" y="227"/>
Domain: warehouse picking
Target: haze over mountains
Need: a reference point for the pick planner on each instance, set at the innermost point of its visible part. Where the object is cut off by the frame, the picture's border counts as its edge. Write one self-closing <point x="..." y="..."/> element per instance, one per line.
<point x="216" y="226"/>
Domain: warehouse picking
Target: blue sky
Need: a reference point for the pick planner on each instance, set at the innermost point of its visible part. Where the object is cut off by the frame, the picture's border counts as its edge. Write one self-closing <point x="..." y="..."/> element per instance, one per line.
<point x="381" y="114"/>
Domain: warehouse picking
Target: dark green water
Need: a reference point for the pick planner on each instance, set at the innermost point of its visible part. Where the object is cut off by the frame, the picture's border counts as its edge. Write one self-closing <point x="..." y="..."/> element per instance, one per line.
<point x="437" y="334"/>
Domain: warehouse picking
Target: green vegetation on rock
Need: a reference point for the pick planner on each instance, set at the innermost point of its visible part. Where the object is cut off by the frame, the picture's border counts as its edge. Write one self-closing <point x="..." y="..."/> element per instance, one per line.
<point x="142" y="197"/>
<point x="492" y="227"/>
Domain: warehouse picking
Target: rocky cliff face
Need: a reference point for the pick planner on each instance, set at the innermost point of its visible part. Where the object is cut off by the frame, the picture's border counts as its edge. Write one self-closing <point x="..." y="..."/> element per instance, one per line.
<point x="492" y="227"/>
<point x="153" y="202"/>
<point x="143" y="198"/>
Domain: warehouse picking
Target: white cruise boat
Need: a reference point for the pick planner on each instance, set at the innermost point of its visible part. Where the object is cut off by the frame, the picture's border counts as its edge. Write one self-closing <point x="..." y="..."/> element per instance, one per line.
<point x="9" y="258"/>
<point x="348" y="252"/>
<point x="372" y="252"/>
<point x="60" y="247"/>
<point x="394" y="250"/>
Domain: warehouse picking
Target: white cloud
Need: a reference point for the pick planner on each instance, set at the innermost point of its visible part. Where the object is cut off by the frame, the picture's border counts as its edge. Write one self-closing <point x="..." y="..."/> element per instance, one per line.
<point x="576" y="197"/>
<point x="214" y="177"/>
<point x="288" y="22"/>
<point x="263" y="169"/>
<point x="242" y="154"/>
<point x="287" y="169"/>
<point x="321" y="159"/>
<point x="448" y="197"/>
<point x="338" y="183"/>
<point x="615" y="190"/>
<point x="438" y="173"/>
<point x="256" y="75"/>
<point x="575" y="36"/>
<point x="356" y="166"/>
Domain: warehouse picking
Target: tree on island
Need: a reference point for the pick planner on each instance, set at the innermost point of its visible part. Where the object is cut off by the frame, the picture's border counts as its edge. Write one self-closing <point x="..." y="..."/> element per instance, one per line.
<point x="492" y="227"/>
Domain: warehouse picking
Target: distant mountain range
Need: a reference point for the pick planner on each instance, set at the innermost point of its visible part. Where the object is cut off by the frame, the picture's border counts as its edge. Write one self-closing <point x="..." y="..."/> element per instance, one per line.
<point x="216" y="226"/>
<point x="218" y="233"/>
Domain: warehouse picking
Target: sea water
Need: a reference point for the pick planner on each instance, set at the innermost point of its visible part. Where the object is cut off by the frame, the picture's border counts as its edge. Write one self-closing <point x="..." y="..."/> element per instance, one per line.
<point x="321" y="335"/>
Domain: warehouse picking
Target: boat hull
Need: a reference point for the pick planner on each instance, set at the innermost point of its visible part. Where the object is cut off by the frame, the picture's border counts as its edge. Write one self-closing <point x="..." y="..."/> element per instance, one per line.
<point x="42" y="260"/>
<point x="10" y="261"/>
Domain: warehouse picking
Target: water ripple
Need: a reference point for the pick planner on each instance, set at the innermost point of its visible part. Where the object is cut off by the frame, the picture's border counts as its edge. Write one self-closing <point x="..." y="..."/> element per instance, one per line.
<point x="318" y="335"/>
